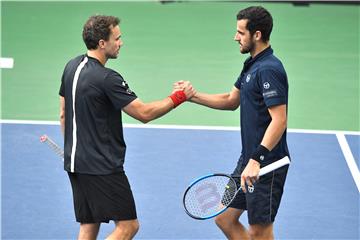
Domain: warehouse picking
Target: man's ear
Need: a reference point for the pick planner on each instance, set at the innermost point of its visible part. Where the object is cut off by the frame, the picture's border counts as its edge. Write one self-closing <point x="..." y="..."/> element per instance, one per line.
<point x="257" y="35"/>
<point x="101" y="43"/>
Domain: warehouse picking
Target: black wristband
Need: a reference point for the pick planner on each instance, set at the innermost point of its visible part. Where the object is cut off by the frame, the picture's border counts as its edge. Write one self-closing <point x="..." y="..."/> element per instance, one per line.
<point x="260" y="153"/>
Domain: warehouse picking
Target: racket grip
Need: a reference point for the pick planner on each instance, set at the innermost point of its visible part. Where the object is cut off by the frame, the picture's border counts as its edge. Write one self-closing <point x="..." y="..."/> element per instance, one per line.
<point x="275" y="165"/>
<point x="271" y="167"/>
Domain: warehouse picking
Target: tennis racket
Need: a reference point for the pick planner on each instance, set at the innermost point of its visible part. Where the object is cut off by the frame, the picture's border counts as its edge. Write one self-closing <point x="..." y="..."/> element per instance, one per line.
<point x="56" y="148"/>
<point x="210" y="195"/>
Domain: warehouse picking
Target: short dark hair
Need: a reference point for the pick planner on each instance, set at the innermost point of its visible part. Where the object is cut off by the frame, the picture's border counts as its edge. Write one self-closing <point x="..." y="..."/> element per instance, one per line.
<point x="259" y="19"/>
<point x="98" y="27"/>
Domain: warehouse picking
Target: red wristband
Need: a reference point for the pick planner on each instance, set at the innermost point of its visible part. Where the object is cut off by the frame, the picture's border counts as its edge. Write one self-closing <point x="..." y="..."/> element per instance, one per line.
<point x="178" y="98"/>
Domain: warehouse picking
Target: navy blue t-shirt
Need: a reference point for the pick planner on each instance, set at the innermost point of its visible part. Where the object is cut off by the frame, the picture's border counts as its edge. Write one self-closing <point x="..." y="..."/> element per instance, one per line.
<point x="262" y="83"/>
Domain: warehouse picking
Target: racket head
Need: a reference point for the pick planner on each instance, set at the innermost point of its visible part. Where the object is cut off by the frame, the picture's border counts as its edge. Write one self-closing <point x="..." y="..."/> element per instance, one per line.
<point x="209" y="195"/>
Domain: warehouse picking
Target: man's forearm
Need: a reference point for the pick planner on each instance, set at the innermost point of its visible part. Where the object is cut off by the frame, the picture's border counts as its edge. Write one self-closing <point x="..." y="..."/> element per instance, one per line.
<point x="273" y="134"/>
<point x="220" y="101"/>
<point x="276" y="127"/>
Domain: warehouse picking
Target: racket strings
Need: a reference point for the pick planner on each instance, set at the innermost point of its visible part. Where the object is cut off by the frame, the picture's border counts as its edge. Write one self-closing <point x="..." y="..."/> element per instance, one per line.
<point x="210" y="196"/>
<point x="230" y="192"/>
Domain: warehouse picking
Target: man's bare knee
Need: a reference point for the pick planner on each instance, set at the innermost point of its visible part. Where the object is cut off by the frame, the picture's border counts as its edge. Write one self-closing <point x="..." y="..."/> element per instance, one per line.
<point x="261" y="231"/>
<point x="133" y="227"/>
<point x="227" y="219"/>
<point x="254" y="233"/>
<point x="222" y="221"/>
<point x="128" y="229"/>
<point x="88" y="230"/>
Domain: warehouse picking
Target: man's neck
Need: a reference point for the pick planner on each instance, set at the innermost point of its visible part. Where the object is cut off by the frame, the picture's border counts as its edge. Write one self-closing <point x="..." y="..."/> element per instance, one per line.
<point x="261" y="46"/>
<point x="98" y="55"/>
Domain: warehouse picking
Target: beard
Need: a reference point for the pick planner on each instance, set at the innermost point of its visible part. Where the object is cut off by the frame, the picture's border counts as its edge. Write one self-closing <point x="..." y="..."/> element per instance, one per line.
<point x="247" y="48"/>
<point x="111" y="56"/>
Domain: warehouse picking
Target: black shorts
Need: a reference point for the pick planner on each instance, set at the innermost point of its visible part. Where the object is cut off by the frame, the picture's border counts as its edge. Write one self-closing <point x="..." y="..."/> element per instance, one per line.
<point x="263" y="202"/>
<point x="101" y="198"/>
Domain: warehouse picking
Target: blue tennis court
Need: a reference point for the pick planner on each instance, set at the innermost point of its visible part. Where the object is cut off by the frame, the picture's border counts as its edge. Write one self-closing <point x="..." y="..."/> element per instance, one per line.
<point x="321" y="199"/>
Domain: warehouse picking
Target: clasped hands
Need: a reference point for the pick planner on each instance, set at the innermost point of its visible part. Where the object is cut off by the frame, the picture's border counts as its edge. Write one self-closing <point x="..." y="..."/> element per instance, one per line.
<point x="185" y="86"/>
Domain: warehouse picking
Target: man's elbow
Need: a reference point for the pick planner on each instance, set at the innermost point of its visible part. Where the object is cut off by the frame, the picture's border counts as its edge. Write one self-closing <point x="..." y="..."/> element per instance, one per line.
<point x="283" y="123"/>
<point x="233" y="106"/>
<point x="144" y="120"/>
<point x="280" y="122"/>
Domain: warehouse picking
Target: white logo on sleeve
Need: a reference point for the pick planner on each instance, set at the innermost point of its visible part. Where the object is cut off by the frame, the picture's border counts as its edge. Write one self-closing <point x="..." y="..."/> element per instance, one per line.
<point x="248" y="77"/>
<point x="266" y="85"/>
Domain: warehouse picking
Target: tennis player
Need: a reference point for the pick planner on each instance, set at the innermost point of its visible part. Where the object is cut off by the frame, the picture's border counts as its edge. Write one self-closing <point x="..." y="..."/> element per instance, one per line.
<point x="92" y="98"/>
<point x="262" y="92"/>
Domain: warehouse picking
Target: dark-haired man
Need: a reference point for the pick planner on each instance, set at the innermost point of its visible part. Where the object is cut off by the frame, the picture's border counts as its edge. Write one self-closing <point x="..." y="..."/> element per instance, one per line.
<point x="92" y="98"/>
<point x="261" y="91"/>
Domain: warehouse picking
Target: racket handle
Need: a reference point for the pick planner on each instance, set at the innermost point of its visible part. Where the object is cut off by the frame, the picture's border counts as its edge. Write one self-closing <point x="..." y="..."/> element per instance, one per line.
<point x="56" y="148"/>
<point x="275" y="165"/>
<point x="271" y="167"/>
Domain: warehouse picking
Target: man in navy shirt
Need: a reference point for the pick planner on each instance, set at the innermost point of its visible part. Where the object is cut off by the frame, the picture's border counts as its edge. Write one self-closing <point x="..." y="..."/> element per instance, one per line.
<point x="261" y="90"/>
<point x="92" y="98"/>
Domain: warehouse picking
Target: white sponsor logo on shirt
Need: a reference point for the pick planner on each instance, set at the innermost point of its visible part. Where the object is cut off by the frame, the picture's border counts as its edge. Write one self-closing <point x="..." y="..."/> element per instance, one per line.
<point x="266" y="85"/>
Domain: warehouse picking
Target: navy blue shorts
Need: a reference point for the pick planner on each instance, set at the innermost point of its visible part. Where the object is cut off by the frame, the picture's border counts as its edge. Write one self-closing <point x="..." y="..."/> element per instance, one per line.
<point x="263" y="202"/>
<point x="101" y="198"/>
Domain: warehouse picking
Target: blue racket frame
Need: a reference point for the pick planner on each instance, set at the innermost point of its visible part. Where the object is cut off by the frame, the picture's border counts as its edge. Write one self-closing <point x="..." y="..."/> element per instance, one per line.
<point x="200" y="179"/>
<point x="264" y="170"/>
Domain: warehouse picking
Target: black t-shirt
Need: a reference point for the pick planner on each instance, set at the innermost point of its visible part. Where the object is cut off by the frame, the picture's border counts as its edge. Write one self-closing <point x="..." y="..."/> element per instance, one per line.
<point x="262" y="83"/>
<point x="94" y="96"/>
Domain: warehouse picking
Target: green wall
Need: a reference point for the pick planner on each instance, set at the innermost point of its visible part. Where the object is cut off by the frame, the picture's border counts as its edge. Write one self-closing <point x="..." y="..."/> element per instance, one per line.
<point x="163" y="43"/>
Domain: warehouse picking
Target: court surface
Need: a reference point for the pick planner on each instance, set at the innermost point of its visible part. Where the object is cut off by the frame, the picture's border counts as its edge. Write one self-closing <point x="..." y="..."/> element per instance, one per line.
<point x="321" y="199"/>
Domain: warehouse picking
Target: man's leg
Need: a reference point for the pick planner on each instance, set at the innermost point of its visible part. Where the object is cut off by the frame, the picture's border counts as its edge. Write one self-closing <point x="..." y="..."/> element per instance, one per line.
<point x="124" y="230"/>
<point x="229" y="223"/>
<point x="261" y="231"/>
<point x="267" y="196"/>
<point x="88" y="231"/>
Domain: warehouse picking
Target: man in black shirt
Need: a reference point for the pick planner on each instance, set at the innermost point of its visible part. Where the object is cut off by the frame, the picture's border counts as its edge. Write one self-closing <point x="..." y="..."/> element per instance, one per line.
<point x="261" y="91"/>
<point x="92" y="98"/>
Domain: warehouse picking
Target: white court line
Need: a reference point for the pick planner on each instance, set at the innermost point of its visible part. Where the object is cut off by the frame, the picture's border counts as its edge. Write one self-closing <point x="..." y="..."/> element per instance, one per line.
<point x="10" y="121"/>
<point x="190" y="127"/>
<point x="6" y="62"/>
<point x="349" y="159"/>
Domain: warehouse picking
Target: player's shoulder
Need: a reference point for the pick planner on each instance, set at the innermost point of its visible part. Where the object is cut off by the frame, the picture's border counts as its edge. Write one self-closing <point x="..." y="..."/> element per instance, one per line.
<point x="110" y="73"/>
<point x="72" y="64"/>
<point x="272" y="60"/>
<point x="76" y="60"/>
<point x="113" y="78"/>
<point x="272" y="63"/>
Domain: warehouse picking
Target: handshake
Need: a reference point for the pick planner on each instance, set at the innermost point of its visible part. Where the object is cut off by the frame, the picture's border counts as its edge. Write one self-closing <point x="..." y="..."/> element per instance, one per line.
<point x="182" y="91"/>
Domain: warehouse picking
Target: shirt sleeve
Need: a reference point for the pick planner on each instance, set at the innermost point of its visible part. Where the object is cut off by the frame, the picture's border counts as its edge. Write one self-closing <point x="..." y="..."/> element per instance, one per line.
<point x="274" y="87"/>
<point x="118" y="90"/>
<point x="238" y="83"/>
<point x="62" y="87"/>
